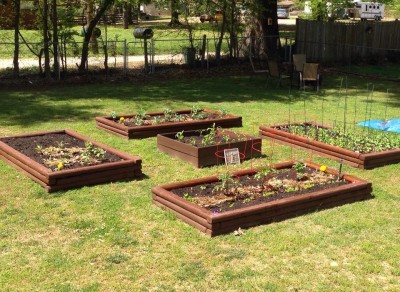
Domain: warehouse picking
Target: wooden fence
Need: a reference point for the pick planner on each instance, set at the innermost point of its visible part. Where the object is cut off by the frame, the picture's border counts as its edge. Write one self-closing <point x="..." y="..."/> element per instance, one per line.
<point x="332" y="42"/>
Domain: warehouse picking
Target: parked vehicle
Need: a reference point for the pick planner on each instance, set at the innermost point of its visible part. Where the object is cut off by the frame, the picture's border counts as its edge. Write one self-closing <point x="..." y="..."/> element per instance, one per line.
<point x="282" y="13"/>
<point x="211" y="17"/>
<point x="366" y="10"/>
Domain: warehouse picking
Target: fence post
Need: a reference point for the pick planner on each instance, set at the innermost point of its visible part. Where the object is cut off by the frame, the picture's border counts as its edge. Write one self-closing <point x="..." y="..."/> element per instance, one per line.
<point x="59" y="62"/>
<point x="125" y="57"/>
<point x="152" y="70"/>
<point x="207" y="61"/>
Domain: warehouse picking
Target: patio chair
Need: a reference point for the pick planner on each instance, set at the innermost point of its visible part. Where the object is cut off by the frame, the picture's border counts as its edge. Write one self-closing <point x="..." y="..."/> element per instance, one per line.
<point x="310" y="75"/>
<point x="276" y="72"/>
<point x="298" y="62"/>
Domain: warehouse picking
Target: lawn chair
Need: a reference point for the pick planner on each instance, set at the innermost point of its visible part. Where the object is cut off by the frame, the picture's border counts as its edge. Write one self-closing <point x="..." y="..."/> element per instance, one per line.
<point x="276" y="72"/>
<point x="298" y="62"/>
<point x="310" y="75"/>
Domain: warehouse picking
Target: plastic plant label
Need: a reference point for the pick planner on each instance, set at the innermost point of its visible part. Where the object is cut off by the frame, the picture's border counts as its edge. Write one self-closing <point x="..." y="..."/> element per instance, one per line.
<point x="232" y="156"/>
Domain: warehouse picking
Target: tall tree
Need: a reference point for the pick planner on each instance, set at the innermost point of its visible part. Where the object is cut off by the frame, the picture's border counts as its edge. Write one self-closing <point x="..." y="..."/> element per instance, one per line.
<point x="263" y="26"/>
<point x="54" y="18"/>
<point x="17" y="10"/>
<point x="89" y="18"/>
<point x="269" y="23"/>
<point x="174" y="6"/>
<point x="221" y="32"/>
<point x="104" y="5"/>
<point x="46" y="39"/>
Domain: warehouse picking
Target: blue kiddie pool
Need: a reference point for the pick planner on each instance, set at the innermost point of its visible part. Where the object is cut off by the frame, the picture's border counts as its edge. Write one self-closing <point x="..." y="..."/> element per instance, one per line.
<point x="392" y="125"/>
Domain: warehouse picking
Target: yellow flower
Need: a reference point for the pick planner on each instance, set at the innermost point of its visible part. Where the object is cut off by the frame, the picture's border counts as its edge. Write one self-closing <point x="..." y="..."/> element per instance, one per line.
<point x="122" y="119"/>
<point x="322" y="168"/>
<point x="60" y="166"/>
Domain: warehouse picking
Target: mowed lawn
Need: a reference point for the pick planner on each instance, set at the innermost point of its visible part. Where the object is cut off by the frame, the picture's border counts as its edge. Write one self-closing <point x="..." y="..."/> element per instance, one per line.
<point x="111" y="237"/>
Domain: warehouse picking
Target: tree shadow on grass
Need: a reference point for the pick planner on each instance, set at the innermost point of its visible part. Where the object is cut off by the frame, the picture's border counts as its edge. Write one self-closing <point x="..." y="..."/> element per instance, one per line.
<point x="84" y="102"/>
<point x="27" y="109"/>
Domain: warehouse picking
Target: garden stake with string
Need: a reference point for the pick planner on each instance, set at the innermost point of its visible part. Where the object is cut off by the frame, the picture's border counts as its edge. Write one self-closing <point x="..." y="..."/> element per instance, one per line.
<point x="355" y="112"/>
<point x="366" y="107"/>
<point x="338" y="103"/>
<point x="387" y="101"/>
<point x="340" y="168"/>
<point x="370" y="109"/>
<point x="345" y="109"/>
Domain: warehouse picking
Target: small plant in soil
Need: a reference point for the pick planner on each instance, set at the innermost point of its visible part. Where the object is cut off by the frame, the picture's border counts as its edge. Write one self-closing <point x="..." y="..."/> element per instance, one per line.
<point x="223" y="112"/>
<point x="300" y="168"/>
<point x="228" y="184"/>
<point x="226" y="138"/>
<point x="180" y="136"/>
<point x="157" y="120"/>
<point x="169" y="115"/>
<point x="138" y="121"/>
<point x="142" y="114"/>
<point x="209" y="138"/>
<point x="91" y="153"/>
<point x="263" y="174"/>
<point x="196" y="113"/>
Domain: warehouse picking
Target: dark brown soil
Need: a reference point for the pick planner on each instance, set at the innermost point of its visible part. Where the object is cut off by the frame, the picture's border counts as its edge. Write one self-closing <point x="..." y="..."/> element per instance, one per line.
<point x="28" y="145"/>
<point x="131" y="122"/>
<point x="207" y="190"/>
<point x="221" y="138"/>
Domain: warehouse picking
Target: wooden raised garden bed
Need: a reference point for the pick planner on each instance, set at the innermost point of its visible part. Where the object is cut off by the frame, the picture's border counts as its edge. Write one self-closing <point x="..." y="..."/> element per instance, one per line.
<point x="355" y="159"/>
<point x="192" y="149"/>
<point x="128" y="130"/>
<point x="275" y="208"/>
<point x="68" y="172"/>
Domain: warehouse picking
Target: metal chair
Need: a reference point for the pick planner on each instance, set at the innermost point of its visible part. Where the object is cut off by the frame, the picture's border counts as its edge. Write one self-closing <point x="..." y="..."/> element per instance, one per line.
<point x="298" y="62"/>
<point x="310" y="74"/>
<point x="276" y="72"/>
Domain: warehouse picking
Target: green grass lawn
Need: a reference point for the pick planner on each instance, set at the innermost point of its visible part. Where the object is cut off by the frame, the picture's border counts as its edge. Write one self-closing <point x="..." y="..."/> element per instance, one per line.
<point x="111" y="237"/>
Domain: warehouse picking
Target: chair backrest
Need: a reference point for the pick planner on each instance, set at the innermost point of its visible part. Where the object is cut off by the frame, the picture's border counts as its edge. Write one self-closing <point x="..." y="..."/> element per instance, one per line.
<point x="273" y="67"/>
<point x="298" y="61"/>
<point x="310" y="71"/>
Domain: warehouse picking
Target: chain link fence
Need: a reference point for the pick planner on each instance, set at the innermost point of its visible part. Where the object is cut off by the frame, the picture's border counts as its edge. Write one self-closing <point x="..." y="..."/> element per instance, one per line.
<point x="127" y="56"/>
<point x="130" y="57"/>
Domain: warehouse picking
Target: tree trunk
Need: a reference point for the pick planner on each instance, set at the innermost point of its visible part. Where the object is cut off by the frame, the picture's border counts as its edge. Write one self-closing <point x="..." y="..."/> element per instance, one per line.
<point x="174" y="14"/>
<point x="88" y="33"/>
<point x="127" y="15"/>
<point x="89" y="17"/>
<point x="269" y="25"/>
<point x="46" y="40"/>
<point x="263" y="28"/>
<point x="17" y="6"/>
<point x="55" y="37"/>
<point x="221" y="35"/>
<point x="233" y="31"/>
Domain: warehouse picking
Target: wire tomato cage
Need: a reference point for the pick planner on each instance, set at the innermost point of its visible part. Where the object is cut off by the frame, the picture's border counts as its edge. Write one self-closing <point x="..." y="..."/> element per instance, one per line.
<point x="249" y="144"/>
